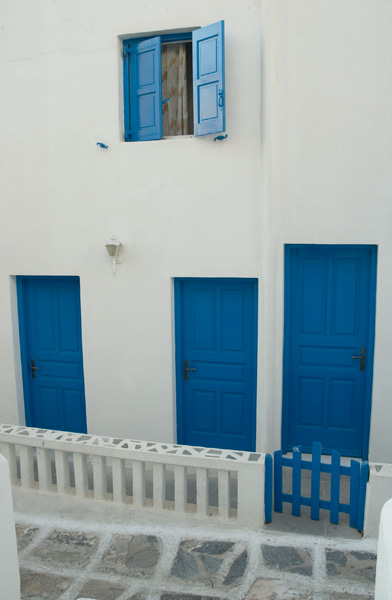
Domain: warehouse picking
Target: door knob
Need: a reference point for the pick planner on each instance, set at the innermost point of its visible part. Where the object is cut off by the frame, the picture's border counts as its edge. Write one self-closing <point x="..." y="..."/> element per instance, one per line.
<point x="33" y="368"/>
<point x="187" y="369"/>
<point x="361" y="358"/>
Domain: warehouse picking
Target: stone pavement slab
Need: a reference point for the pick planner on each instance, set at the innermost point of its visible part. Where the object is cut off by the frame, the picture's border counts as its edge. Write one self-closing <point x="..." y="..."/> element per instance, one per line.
<point x="25" y="535"/>
<point x="131" y="556"/>
<point x="354" y="565"/>
<point x="288" y="559"/>
<point x="71" y="548"/>
<point x="44" y="586"/>
<point x="104" y="590"/>
<point x="70" y="560"/>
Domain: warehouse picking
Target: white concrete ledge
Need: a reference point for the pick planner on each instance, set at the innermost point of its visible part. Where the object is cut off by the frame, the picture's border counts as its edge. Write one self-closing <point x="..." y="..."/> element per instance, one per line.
<point x="9" y="566"/>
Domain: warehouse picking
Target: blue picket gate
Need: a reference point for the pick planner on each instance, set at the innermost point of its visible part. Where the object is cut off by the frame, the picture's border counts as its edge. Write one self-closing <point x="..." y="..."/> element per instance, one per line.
<point x="358" y="473"/>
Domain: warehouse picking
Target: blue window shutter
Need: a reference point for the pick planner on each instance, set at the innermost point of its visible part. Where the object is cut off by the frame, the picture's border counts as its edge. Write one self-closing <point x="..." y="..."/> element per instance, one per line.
<point x="208" y="51"/>
<point x="145" y="90"/>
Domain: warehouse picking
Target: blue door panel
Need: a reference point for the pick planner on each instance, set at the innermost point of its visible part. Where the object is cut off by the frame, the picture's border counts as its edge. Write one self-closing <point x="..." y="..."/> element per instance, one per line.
<point x="328" y="319"/>
<point x="50" y="331"/>
<point x="208" y="55"/>
<point x="216" y="332"/>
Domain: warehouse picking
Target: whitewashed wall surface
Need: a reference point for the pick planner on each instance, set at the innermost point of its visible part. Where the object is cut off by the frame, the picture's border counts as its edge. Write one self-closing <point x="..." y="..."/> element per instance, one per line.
<point x="307" y="161"/>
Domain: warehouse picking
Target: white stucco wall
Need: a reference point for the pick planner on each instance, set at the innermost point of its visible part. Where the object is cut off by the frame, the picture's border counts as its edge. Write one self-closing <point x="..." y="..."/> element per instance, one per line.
<point x="307" y="160"/>
<point x="333" y="181"/>
<point x="182" y="207"/>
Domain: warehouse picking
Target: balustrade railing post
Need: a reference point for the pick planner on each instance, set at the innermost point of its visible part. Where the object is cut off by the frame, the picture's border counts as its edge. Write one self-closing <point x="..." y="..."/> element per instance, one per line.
<point x="99" y="477"/>
<point x="202" y="491"/>
<point x="159" y="485"/>
<point x="62" y="471"/>
<point x="224" y="494"/>
<point x="26" y="466"/>
<point x="44" y="464"/>
<point x="81" y="476"/>
<point x="139" y="483"/>
<point x="180" y="489"/>
<point x="118" y="472"/>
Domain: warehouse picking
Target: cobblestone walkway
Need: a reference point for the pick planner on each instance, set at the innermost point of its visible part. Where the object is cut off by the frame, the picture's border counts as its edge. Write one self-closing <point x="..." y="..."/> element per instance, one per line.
<point x="67" y="560"/>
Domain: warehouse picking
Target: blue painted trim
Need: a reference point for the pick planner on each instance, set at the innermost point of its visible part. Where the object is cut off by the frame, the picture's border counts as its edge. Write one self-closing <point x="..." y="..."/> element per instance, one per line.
<point x="21" y="302"/>
<point x="172" y="37"/>
<point x="127" y="99"/>
<point x="165" y="38"/>
<point x="370" y="350"/>
<point x="286" y="344"/>
<point x="268" y="488"/>
<point x="179" y="351"/>
<point x="21" y="281"/>
<point x="178" y="358"/>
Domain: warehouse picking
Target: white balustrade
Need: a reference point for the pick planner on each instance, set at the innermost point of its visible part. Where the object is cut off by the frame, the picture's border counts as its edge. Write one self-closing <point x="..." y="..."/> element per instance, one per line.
<point x="203" y="482"/>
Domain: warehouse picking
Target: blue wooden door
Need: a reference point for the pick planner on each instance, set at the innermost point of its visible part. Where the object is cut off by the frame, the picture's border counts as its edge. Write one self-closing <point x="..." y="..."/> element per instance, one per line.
<point x="329" y="320"/>
<point x="216" y="337"/>
<point x="51" y="349"/>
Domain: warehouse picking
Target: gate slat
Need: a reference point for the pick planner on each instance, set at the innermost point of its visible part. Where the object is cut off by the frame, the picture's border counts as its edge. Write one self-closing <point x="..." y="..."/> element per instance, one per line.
<point x="354" y="493"/>
<point x="296" y="505"/>
<point x="278" y="502"/>
<point x="335" y="487"/>
<point x="315" y="484"/>
<point x="268" y="488"/>
<point x="363" y="479"/>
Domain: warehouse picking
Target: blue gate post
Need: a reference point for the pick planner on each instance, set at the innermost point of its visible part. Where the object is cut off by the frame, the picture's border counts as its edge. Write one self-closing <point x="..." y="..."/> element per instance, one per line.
<point x="296" y="501"/>
<point x="335" y="487"/>
<point x="268" y="488"/>
<point x="278" y="501"/>
<point x="315" y="484"/>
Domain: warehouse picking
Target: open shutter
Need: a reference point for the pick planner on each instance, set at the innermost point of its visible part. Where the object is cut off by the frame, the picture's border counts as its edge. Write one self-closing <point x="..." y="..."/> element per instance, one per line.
<point x="208" y="51"/>
<point x="146" y="90"/>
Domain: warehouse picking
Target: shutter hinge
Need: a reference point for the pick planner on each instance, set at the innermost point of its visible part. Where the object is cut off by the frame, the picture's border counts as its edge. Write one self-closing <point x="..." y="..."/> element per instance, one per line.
<point x="128" y="135"/>
<point x="126" y="51"/>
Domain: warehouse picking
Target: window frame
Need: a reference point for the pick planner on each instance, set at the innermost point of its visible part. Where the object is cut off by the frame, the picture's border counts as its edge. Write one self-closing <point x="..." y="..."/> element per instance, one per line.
<point x="210" y="108"/>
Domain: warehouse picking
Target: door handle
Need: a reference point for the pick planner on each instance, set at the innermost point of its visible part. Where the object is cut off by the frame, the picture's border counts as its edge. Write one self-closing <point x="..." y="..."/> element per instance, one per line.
<point x="361" y="358"/>
<point x="187" y="369"/>
<point x="33" y="368"/>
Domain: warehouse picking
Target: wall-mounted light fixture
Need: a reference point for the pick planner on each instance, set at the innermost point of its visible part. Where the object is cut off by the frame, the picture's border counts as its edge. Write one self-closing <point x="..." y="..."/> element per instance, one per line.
<point x="114" y="248"/>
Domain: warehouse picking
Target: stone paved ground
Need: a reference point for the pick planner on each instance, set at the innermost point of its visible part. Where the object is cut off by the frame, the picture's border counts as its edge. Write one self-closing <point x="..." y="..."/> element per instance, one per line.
<point x="67" y="560"/>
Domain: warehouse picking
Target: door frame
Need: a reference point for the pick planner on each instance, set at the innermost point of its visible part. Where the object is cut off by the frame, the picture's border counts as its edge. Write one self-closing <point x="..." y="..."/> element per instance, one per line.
<point x="178" y="297"/>
<point x="22" y="320"/>
<point x="288" y="249"/>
